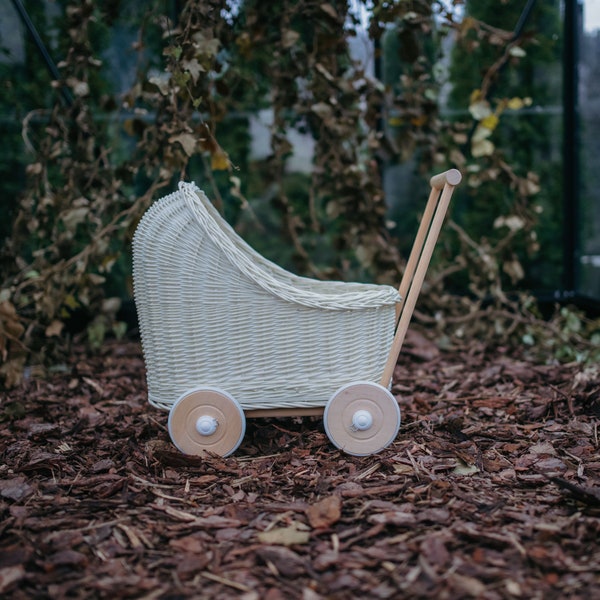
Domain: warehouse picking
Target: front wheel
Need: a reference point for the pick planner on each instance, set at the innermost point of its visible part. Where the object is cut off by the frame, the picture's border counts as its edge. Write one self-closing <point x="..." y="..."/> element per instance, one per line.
<point x="207" y="420"/>
<point x="362" y="418"/>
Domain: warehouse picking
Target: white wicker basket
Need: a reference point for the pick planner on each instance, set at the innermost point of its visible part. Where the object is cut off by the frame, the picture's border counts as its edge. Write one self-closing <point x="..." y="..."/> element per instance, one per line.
<point x="213" y="312"/>
<point x="225" y="331"/>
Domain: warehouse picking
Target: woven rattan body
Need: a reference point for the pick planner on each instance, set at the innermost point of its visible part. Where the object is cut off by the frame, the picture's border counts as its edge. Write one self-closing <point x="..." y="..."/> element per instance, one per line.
<point x="214" y="312"/>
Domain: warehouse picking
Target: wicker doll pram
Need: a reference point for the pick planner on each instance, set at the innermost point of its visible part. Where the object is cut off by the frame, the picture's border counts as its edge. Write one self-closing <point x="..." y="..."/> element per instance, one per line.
<point x="227" y="334"/>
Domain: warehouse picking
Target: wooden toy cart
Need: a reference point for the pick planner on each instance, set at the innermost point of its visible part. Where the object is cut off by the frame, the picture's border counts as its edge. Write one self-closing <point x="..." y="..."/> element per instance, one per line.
<point x="227" y="334"/>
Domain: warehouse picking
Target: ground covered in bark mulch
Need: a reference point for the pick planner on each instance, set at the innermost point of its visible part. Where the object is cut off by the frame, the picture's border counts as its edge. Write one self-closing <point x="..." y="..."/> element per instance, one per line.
<point x="491" y="490"/>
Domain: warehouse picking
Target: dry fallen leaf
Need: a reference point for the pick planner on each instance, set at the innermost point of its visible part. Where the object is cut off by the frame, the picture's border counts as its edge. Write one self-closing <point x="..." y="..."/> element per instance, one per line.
<point x="285" y="536"/>
<point x="9" y="576"/>
<point x="16" y="488"/>
<point x="462" y="468"/>
<point x="54" y="328"/>
<point x="325" y="513"/>
<point x="187" y="142"/>
<point x="285" y="561"/>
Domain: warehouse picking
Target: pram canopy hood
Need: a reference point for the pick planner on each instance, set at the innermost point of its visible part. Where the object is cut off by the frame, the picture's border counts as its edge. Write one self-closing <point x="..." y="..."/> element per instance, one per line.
<point x="331" y="295"/>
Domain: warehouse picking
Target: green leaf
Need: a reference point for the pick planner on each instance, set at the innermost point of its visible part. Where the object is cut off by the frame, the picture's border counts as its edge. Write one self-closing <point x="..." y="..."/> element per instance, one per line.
<point x="96" y="332"/>
<point x="517" y="51"/>
<point x="174" y="51"/>
<point x="528" y="339"/>
<point x="119" y="329"/>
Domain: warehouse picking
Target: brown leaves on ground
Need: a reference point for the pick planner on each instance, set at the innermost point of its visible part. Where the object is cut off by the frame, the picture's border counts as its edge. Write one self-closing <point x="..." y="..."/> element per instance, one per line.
<point x="325" y="512"/>
<point x="491" y="490"/>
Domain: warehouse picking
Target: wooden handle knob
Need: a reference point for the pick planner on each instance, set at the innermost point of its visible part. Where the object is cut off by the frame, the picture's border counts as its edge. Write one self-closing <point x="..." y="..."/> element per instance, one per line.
<point x="450" y="177"/>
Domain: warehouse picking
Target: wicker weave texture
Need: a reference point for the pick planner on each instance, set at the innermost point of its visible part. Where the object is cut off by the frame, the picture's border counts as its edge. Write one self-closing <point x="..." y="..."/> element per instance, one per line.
<point x="214" y="312"/>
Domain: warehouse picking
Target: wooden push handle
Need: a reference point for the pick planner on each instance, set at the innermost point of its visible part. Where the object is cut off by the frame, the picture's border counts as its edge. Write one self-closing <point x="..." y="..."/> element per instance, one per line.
<point x="450" y="177"/>
<point x="442" y="186"/>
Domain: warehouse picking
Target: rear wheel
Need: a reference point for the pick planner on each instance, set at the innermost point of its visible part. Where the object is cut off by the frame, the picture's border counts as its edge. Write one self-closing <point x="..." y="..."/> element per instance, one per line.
<point x="362" y="418"/>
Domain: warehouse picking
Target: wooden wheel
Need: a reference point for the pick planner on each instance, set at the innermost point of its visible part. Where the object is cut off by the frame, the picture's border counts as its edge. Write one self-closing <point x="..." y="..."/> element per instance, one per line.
<point x="362" y="418"/>
<point x="207" y="419"/>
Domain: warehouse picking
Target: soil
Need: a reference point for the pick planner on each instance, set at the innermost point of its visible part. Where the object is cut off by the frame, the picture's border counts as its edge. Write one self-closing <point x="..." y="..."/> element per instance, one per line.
<point x="491" y="490"/>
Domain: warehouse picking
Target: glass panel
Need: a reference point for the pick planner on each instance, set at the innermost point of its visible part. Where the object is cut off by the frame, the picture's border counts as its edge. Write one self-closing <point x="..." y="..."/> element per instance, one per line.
<point x="530" y="138"/>
<point x="589" y="105"/>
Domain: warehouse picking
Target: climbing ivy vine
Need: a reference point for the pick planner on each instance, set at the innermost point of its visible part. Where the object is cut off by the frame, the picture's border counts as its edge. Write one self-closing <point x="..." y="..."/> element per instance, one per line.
<point x="94" y="164"/>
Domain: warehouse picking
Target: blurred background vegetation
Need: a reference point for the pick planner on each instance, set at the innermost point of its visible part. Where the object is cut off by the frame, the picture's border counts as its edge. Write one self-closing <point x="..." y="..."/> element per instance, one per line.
<point x="314" y="127"/>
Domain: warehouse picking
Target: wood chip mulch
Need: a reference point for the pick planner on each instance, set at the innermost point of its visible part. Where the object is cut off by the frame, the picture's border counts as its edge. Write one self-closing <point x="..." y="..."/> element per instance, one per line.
<point x="491" y="490"/>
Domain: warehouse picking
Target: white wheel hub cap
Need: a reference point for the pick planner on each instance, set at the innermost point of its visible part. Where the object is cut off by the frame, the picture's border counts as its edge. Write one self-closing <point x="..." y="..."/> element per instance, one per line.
<point x="362" y="420"/>
<point x="206" y="425"/>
